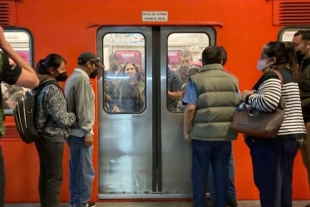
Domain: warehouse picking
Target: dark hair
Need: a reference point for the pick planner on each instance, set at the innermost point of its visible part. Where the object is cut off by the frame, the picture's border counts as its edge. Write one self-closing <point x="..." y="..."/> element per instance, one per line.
<point x="138" y="75"/>
<point x="224" y="55"/>
<point x="305" y="34"/>
<point x="113" y="57"/>
<point x="212" y="55"/>
<point x="51" y="61"/>
<point x="284" y="54"/>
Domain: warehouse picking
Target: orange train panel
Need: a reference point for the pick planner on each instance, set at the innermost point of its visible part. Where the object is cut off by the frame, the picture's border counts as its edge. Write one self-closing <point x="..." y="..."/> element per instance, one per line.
<point x="69" y="27"/>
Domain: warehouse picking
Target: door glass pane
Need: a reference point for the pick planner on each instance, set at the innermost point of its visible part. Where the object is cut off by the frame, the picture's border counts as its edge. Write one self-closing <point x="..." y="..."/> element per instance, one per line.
<point x="21" y="43"/>
<point x="124" y="76"/>
<point x="184" y="50"/>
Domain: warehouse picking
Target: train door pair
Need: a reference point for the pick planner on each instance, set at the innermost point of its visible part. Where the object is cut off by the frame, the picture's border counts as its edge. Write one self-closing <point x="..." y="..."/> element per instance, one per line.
<point x="142" y="153"/>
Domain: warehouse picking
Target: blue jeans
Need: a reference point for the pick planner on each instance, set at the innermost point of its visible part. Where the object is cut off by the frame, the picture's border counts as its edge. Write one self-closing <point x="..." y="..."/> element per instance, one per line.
<point x="217" y="154"/>
<point x="81" y="171"/>
<point x="231" y="186"/>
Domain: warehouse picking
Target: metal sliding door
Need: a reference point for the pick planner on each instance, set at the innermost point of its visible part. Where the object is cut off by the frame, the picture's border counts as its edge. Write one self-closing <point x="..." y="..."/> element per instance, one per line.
<point x="125" y="138"/>
<point x="142" y="154"/>
<point x="175" y="151"/>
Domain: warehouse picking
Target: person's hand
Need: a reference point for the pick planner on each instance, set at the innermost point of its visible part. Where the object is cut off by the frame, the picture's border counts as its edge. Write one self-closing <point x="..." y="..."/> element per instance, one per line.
<point x="88" y="141"/>
<point x="116" y="109"/>
<point x="187" y="138"/>
<point x="245" y="93"/>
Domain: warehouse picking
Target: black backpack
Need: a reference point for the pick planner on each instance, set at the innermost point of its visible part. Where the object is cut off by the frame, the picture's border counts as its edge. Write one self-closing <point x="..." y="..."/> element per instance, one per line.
<point x="24" y="114"/>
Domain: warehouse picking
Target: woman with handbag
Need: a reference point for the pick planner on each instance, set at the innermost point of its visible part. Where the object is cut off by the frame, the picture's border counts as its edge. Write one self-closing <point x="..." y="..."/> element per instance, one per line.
<point x="273" y="156"/>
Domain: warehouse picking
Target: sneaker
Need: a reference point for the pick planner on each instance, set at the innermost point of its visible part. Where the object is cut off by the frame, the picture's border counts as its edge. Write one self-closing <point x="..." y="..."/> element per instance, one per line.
<point x="90" y="204"/>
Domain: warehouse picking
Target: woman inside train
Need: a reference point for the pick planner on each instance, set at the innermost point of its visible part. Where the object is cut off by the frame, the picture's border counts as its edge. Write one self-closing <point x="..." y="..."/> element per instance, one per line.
<point x="52" y="121"/>
<point x="130" y="92"/>
<point x="273" y="158"/>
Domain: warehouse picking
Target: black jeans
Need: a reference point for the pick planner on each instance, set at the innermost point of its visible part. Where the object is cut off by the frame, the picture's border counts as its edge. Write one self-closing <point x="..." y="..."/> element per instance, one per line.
<point x="2" y="179"/>
<point x="50" y="179"/>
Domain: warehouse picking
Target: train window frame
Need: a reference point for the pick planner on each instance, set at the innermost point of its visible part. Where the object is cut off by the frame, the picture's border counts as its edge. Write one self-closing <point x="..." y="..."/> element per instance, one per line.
<point x="290" y="29"/>
<point x="9" y="112"/>
<point x="167" y="53"/>
<point x="143" y="63"/>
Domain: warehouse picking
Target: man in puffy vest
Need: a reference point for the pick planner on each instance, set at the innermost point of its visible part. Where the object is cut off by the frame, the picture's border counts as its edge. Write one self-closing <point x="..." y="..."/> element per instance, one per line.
<point x="231" y="197"/>
<point x="21" y="74"/>
<point x="211" y="99"/>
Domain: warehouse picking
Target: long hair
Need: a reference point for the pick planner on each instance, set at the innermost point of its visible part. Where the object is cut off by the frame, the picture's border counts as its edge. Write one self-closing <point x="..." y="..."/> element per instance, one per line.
<point x="284" y="54"/>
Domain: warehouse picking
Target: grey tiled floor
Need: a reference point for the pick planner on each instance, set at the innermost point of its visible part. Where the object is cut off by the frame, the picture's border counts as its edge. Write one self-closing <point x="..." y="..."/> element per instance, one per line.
<point x="160" y="204"/>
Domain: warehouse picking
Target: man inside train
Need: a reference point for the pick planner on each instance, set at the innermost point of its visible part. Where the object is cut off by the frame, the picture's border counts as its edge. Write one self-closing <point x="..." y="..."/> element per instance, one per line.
<point x="111" y="79"/>
<point x="301" y="43"/>
<point x="207" y="119"/>
<point x="186" y="59"/>
<point x="80" y="97"/>
<point x="174" y="89"/>
<point x="21" y="74"/>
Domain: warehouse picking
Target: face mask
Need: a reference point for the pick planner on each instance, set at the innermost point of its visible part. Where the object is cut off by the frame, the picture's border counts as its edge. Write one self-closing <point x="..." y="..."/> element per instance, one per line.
<point x="261" y="65"/>
<point x="299" y="56"/>
<point x="114" y="67"/>
<point x="93" y="74"/>
<point x="62" y="77"/>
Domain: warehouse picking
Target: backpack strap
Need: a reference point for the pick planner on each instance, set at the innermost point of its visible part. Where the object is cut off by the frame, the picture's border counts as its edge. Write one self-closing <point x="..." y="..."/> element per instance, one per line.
<point x="39" y="88"/>
<point x="279" y="76"/>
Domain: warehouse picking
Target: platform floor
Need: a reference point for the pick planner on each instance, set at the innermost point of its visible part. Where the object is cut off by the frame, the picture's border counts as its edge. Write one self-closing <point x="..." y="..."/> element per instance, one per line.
<point x="159" y="204"/>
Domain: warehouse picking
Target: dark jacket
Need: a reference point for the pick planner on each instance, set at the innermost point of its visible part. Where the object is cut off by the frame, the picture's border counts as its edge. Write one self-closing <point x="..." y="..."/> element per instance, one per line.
<point x="304" y="87"/>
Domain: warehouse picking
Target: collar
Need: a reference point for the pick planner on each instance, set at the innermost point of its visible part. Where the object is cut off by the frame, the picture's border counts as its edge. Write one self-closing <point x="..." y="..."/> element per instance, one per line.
<point x="215" y="66"/>
<point x="82" y="71"/>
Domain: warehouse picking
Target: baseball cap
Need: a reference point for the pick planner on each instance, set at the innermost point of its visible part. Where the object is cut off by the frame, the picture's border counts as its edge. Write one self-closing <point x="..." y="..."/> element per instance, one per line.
<point x="89" y="56"/>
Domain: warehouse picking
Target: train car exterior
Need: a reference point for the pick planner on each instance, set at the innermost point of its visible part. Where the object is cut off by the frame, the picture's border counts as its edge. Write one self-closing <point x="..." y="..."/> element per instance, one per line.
<point x="142" y="154"/>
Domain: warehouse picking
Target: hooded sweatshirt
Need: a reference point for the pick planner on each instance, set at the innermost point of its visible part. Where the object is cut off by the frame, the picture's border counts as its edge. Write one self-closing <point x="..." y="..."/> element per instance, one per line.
<point x="52" y="118"/>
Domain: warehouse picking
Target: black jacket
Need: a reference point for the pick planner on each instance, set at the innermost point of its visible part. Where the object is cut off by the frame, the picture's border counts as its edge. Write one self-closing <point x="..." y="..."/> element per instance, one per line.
<point x="304" y="87"/>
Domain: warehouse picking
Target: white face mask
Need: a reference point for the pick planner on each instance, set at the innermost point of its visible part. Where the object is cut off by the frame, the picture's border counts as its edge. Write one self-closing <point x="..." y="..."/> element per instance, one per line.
<point x="261" y="65"/>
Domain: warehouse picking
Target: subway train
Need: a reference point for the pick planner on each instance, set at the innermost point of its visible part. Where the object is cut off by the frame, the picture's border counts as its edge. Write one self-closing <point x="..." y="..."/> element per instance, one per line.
<point x="142" y="155"/>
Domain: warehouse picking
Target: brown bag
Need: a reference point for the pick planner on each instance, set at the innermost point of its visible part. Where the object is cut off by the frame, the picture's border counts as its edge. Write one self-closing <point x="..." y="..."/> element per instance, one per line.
<point x="252" y="122"/>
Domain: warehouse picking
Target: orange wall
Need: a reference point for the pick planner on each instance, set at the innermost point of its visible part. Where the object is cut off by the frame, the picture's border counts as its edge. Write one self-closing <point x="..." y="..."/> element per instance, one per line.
<point x="61" y="26"/>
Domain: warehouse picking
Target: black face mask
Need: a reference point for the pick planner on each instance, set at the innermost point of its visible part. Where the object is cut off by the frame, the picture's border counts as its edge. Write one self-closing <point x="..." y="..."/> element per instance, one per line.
<point x="62" y="77"/>
<point x="114" y="67"/>
<point x="93" y="74"/>
<point x="299" y="56"/>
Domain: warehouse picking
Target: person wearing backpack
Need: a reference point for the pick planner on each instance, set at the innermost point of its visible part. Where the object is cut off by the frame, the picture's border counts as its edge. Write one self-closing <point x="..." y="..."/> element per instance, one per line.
<point x="52" y="121"/>
<point x="21" y="74"/>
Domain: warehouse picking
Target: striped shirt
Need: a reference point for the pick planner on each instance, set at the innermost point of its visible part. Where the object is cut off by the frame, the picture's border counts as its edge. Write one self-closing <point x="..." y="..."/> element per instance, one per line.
<point x="267" y="98"/>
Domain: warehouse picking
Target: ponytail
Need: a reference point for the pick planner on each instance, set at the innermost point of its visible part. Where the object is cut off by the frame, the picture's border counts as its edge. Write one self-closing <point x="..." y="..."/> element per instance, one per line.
<point x="291" y="59"/>
<point x="50" y="61"/>
<point x="40" y="68"/>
